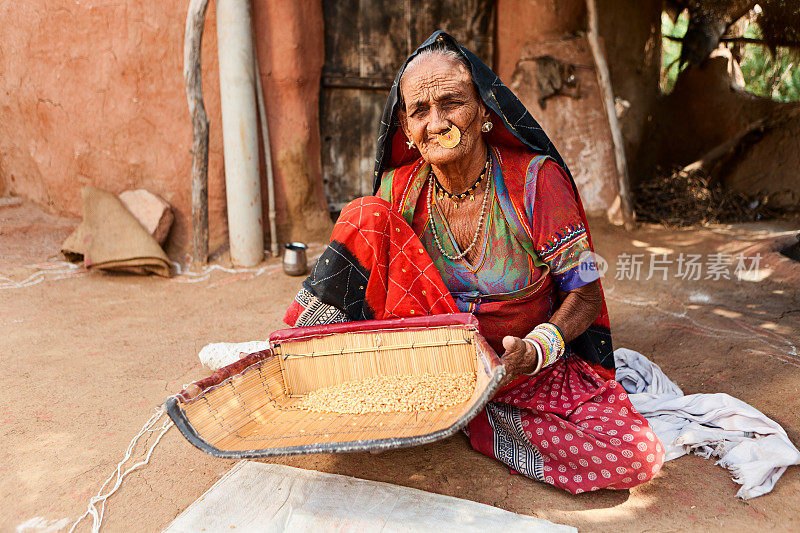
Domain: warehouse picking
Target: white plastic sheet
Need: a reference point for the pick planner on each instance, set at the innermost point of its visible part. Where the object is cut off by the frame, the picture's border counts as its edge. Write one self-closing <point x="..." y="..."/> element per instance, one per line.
<point x="267" y="497"/>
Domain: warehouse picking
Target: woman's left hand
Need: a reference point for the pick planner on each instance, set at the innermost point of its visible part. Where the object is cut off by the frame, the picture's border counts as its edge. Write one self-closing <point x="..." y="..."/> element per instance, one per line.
<point x="520" y="357"/>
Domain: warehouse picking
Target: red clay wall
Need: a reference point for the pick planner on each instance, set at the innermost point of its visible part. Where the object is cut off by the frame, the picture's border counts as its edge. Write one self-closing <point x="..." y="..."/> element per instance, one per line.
<point x="291" y="49"/>
<point x="521" y="21"/>
<point x="578" y="127"/>
<point x="93" y="94"/>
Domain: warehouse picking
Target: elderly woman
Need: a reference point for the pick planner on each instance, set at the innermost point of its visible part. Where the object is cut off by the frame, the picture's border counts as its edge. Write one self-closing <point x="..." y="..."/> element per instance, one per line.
<point x="475" y="211"/>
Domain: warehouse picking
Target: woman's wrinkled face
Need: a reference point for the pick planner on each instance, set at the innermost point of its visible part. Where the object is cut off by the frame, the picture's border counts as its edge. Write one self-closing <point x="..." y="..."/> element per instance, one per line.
<point x="438" y="93"/>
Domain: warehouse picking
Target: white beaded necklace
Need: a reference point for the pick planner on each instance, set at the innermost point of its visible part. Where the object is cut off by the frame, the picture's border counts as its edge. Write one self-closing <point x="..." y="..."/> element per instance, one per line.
<point x="456" y="257"/>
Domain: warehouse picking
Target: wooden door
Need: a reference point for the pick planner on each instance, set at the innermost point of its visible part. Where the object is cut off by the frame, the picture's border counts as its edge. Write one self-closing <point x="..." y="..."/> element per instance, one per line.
<point x="366" y="41"/>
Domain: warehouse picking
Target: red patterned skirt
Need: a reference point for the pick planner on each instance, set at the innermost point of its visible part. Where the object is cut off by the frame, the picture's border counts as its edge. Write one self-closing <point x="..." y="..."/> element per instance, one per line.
<point x="567" y="426"/>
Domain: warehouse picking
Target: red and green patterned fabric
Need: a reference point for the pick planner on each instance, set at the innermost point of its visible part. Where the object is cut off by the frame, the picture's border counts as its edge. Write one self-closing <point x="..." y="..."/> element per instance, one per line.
<point x="536" y="244"/>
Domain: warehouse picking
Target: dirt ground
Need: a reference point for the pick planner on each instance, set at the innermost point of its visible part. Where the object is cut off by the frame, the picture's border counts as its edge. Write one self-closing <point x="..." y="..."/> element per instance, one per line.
<point x="87" y="357"/>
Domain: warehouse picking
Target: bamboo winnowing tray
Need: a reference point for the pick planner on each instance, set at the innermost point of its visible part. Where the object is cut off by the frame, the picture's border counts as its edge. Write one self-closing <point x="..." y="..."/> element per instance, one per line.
<point x="248" y="409"/>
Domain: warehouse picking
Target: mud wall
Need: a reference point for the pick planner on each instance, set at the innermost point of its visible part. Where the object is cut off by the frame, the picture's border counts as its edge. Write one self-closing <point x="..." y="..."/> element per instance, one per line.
<point x="522" y="21"/>
<point x="575" y="119"/>
<point x="708" y="108"/>
<point x="290" y="46"/>
<point x="631" y="32"/>
<point x="575" y="122"/>
<point x="548" y="64"/>
<point x="709" y="101"/>
<point x="93" y="93"/>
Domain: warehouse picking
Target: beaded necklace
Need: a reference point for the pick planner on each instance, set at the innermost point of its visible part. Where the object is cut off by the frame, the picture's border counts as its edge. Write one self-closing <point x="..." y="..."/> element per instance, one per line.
<point x="429" y="197"/>
<point x="442" y="192"/>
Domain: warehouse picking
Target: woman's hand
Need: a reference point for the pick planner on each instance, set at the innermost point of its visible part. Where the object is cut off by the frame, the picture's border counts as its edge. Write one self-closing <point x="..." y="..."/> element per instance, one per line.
<point x="520" y="357"/>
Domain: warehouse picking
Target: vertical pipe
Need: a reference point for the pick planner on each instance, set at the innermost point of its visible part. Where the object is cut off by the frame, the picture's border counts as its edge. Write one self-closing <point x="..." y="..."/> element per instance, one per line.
<point x="239" y="131"/>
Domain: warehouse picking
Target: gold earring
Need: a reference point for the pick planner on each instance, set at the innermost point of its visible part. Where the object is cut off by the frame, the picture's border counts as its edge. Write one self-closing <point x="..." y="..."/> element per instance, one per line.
<point x="487" y="126"/>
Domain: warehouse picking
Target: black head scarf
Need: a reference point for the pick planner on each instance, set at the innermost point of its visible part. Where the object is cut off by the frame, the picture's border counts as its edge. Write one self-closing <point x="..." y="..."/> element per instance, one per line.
<point x="520" y="127"/>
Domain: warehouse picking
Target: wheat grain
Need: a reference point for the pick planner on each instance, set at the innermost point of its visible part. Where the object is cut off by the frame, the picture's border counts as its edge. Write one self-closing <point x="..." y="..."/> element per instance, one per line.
<point x="392" y="394"/>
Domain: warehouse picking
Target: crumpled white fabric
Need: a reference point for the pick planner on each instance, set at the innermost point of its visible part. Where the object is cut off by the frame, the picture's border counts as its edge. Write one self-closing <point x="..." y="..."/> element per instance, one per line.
<point x="753" y="447"/>
<point x="219" y="354"/>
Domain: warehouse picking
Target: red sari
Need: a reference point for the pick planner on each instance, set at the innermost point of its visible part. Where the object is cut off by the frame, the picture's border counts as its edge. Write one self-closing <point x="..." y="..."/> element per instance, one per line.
<point x="571" y="425"/>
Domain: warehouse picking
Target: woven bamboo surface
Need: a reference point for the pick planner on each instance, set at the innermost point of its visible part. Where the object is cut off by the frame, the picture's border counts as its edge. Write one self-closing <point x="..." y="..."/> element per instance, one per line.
<point x="255" y="409"/>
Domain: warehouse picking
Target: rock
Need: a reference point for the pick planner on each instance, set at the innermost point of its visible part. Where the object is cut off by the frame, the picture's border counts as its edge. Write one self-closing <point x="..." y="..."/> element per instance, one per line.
<point x="153" y="212"/>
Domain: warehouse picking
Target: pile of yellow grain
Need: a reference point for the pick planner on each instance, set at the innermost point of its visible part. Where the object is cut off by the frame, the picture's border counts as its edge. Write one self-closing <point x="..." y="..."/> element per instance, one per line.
<point x="392" y="394"/>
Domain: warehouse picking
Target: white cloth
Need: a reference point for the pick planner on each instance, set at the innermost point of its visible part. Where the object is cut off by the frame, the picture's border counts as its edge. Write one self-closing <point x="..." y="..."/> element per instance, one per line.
<point x="753" y="447"/>
<point x="275" y="498"/>
<point x="219" y="354"/>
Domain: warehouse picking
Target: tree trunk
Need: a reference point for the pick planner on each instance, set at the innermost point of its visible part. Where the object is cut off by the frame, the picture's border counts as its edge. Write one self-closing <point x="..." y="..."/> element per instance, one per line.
<point x="195" y="20"/>
<point x="603" y="79"/>
<point x="631" y="32"/>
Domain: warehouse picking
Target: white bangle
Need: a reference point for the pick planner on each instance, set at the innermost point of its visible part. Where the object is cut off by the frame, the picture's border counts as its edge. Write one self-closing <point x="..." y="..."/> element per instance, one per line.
<point x="539" y="357"/>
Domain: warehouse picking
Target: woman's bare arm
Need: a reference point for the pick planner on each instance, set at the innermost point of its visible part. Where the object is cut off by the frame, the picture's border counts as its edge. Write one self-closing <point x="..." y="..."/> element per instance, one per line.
<point x="579" y="308"/>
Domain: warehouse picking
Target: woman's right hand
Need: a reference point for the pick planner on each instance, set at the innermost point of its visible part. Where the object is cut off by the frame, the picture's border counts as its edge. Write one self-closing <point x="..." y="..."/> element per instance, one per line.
<point x="520" y="357"/>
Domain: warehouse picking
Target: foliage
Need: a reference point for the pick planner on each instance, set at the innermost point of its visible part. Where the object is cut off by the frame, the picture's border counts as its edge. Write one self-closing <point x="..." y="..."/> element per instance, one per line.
<point x="671" y="50"/>
<point x="772" y="76"/>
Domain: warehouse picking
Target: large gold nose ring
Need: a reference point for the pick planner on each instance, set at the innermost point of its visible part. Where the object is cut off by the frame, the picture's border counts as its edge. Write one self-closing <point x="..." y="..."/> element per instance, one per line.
<point x="449" y="139"/>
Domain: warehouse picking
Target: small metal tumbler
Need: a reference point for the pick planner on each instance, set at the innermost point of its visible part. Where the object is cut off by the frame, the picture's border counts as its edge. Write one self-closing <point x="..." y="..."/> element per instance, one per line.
<point x="295" y="262"/>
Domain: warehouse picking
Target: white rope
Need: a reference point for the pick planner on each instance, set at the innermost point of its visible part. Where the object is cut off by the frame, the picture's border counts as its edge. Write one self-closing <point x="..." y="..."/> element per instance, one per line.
<point x="119" y="475"/>
<point x="187" y="276"/>
<point x="184" y="275"/>
<point x="51" y="271"/>
<point x="62" y="270"/>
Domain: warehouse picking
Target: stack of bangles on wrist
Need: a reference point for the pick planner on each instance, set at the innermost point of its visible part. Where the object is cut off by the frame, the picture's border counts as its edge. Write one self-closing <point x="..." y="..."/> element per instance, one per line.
<point x="548" y="342"/>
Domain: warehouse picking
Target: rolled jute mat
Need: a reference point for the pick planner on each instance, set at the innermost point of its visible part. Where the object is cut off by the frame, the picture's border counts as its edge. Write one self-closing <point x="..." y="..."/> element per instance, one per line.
<point x="111" y="238"/>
